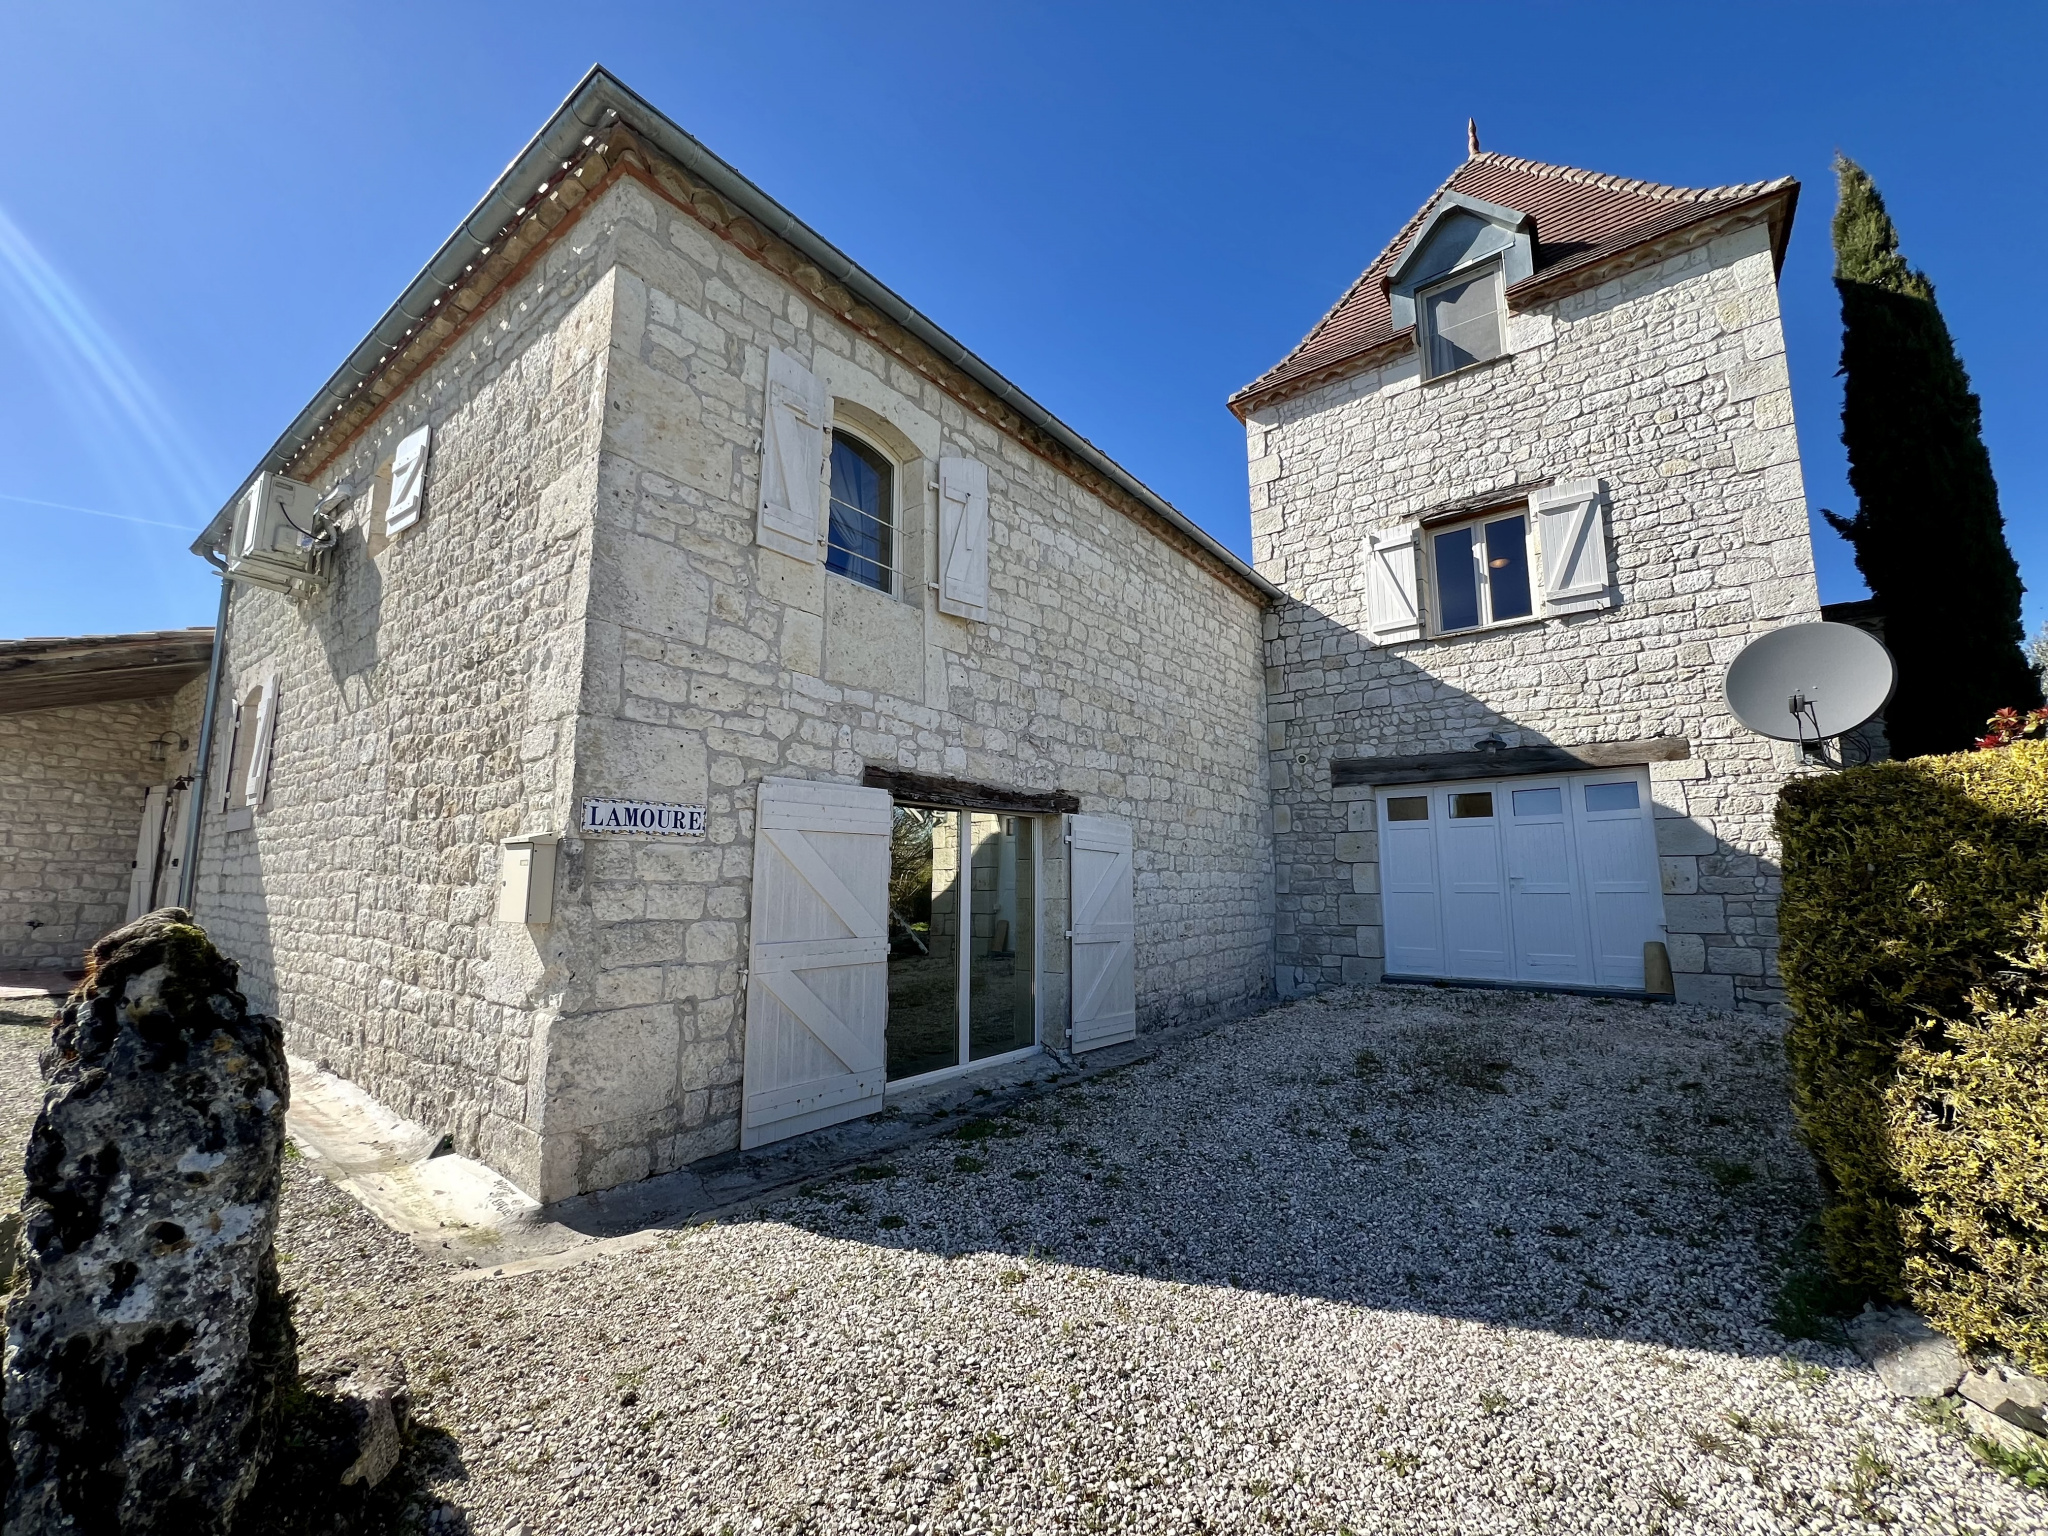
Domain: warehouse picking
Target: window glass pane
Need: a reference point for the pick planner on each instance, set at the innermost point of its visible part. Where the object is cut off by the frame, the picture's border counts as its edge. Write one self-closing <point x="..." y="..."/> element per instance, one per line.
<point x="1000" y="1005"/>
<point x="923" y="1032"/>
<point x="1539" y="802"/>
<point x="1463" y="322"/>
<point x="860" y="543"/>
<point x="1457" y="583"/>
<point x="1612" y="797"/>
<point x="1507" y="567"/>
<point x="1475" y="806"/>
<point x="1408" y="808"/>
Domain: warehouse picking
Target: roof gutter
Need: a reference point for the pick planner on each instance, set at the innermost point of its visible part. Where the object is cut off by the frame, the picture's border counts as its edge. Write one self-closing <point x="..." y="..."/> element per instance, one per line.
<point x="597" y="99"/>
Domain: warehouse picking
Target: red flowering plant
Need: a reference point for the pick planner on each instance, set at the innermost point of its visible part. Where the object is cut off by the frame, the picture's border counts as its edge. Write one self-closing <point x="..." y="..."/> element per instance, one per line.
<point x="2009" y="726"/>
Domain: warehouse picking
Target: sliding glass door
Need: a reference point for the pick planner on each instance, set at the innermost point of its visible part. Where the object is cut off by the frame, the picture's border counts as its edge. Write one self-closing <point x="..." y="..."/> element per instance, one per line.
<point x="963" y="938"/>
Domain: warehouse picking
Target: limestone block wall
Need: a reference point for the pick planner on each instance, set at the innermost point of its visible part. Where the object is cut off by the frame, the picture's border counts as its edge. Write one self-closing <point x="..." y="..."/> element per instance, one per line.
<point x="1112" y="666"/>
<point x="426" y="711"/>
<point x="1668" y="382"/>
<point x="72" y="784"/>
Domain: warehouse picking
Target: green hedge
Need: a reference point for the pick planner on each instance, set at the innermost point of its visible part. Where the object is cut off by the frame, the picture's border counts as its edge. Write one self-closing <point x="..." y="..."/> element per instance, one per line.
<point x="1914" y="931"/>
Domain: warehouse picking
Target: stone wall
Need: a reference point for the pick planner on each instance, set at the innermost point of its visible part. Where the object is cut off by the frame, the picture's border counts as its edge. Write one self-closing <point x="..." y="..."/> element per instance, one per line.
<point x="583" y="610"/>
<point x="72" y="784"/>
<point x="426" y="709"/>
<point x="1669" y="383"/>
<point x="1112" y="666"/>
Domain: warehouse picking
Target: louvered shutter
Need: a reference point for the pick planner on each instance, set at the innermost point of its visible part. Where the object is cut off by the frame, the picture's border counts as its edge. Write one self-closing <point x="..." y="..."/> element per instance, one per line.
<point x="257" y="784"/>
<point x="1571" y="540"/>
<point x="818" y="967"/>
<point x="963" y="538"/>
<point x="408" y="481"/>
<point x="1393" y="604"/>
<point x="1104" y="961"/>
<point x="792" y="457"/>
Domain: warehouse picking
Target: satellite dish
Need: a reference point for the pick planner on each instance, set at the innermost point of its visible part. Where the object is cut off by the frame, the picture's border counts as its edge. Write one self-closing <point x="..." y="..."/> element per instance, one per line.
<point x="1807" y="682"/>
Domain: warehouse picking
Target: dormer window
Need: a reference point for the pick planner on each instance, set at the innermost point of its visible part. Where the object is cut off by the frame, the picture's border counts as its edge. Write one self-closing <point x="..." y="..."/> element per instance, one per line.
<point x="1459" y="319"/>
<point x="1451" y="280"/>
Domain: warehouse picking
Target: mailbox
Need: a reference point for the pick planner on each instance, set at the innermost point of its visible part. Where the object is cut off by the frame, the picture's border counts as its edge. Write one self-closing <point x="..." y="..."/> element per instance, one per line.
<point x="526" y="880"/>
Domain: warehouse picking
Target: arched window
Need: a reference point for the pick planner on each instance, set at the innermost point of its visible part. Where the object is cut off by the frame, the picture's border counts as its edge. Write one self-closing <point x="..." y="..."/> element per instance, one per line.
<point x="861" y="543"/>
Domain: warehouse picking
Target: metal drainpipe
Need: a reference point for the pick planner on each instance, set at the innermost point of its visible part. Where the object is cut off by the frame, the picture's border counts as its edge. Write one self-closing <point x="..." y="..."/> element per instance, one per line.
<point x="188" y="871"/>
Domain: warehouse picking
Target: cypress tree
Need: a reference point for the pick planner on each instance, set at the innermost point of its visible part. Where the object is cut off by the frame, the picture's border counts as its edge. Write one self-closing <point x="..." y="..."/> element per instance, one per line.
<point x="1929" y="538"/>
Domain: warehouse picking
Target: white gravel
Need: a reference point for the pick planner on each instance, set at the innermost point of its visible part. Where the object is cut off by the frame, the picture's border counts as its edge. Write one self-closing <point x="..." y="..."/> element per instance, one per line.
<point x="1510" y="1269"/>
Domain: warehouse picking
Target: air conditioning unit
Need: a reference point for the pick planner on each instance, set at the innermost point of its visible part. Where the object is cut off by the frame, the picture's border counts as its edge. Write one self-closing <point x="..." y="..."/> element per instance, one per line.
<point x="272" y="544"/>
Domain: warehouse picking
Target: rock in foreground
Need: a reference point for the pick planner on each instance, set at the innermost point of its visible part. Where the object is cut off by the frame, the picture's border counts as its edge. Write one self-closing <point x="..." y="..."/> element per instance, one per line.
<point x="145" y="1354"/>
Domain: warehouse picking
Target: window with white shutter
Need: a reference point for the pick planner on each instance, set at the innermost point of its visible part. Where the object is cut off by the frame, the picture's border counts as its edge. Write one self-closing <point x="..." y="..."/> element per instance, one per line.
<point x="408" y="481"/>
<point x="963" y="538"/>
<point x="1393" y="605"/>
<point x="792" y="457"/>
<point x="256" y="784"/>
<point x="1571" y="540"/>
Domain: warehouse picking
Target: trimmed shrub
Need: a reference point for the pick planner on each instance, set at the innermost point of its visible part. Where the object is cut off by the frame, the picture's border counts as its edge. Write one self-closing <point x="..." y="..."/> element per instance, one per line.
<point x="1968" y="1117"/>
<point x="1910" y="889"/>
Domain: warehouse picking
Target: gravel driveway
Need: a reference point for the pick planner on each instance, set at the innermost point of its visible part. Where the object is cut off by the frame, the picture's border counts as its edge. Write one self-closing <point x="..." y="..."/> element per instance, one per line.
<point x="1396" y="1260"/>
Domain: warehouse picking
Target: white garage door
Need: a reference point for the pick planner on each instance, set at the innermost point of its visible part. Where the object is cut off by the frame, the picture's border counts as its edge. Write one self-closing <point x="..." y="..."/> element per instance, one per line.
<point x="1550" y="880"/>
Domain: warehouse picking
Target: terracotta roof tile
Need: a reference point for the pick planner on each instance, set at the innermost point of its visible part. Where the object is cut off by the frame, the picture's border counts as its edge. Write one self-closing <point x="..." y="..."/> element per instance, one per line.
<point x="1581" y="217"/>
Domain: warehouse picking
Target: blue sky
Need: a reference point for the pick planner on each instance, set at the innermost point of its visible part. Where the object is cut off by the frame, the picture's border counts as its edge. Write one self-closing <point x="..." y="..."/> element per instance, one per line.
<point x="1129" y="210"/>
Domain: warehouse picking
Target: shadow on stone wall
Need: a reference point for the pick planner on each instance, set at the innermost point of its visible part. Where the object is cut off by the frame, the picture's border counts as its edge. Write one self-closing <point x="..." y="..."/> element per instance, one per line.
<point x="1342" y="696"/>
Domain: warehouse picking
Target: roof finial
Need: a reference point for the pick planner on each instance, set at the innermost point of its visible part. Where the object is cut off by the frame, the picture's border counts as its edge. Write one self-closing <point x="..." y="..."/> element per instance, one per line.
<point x="1471" y="137"/>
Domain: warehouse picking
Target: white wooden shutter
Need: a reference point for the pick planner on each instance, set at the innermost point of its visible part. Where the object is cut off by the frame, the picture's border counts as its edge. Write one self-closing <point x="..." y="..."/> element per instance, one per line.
<point x="963" y="538"/>
<point x="257" y="785"/>
<point x="1393" y="602"/>
<point x="170" y="880"/>
<point x="1104" y="966"/>
<point x="142" y="878"/>
<point x="792" y="457"/>
<point x="227" y="767"/>
<point x="1571" y="539"/>
<point x="408" y="481"/>
<point x="818" y="984"/>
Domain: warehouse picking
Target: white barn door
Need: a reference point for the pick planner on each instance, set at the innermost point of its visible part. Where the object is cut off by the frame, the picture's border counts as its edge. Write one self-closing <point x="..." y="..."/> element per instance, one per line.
<point x="148" y="842"/>
<point x="818" y="988"/>
<point x="1105" y="948"/>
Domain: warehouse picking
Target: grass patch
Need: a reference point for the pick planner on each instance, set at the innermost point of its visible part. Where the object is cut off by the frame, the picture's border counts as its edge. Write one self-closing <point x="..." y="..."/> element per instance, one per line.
<point x="965" y="1164"/>
<point x="2029" y="1468"/>
<point x="1811" y="1303"/>
<point x="1728" y="1174"/>
<point x="871" y="1173"/>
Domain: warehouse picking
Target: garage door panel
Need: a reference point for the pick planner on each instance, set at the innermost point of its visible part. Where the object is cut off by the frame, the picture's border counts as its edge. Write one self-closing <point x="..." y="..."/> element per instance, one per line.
<point x="1619" y="862"/>
<point x="1474" y="889"/>
<point x="1415" y="941"/>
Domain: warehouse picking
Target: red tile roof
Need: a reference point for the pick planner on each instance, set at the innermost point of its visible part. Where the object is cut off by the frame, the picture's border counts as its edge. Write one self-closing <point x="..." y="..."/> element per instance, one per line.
<point x="1581" y="217"/>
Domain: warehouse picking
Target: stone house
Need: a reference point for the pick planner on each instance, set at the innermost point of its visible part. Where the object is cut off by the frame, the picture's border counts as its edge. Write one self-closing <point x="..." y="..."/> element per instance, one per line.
<point x="673" y="696"/>
<point x="722" y="695"/>
<point x="1530" y="486"/>
<point x="98" y="738"/>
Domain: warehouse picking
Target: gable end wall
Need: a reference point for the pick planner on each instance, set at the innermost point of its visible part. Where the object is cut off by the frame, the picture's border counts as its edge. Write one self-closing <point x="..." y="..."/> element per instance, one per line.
<point x="1668" y="382"/>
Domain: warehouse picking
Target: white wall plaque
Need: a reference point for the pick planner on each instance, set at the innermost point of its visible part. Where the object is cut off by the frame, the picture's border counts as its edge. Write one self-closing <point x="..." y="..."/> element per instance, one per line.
<point x="643" y="818"/>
